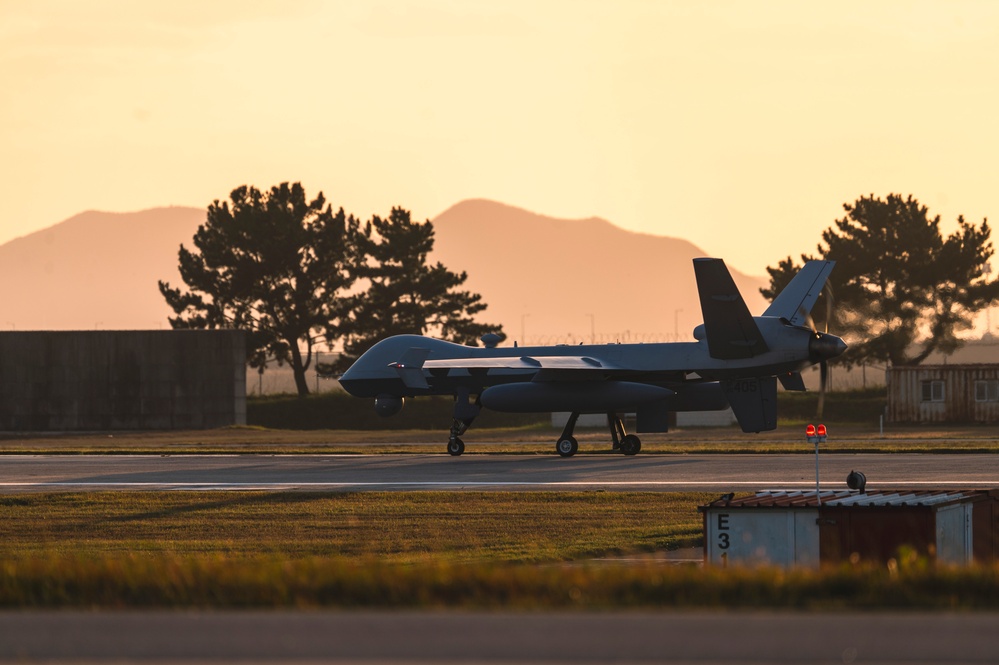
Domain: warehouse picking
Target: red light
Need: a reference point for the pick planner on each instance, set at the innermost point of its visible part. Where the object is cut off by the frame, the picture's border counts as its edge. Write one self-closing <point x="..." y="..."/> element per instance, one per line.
<point x="810" y="430"/>
<point x="822" y="430"/>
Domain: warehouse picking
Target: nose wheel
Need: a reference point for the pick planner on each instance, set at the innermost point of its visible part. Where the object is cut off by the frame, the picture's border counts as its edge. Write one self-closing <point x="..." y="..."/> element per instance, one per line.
<point x="464" y="413"/>
<point x="567" y="446"/>
<point x="455" y="446"/>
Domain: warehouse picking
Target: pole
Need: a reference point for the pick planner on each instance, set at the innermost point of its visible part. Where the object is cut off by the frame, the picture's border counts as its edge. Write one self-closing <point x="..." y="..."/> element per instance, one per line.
<point x="988" y="310"/>
<point x="818" y="497"/>
<point x="816" y="435"/>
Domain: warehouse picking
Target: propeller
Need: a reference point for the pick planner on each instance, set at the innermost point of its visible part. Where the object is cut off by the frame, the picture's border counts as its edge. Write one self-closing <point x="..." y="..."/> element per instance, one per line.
<point x="824" y="363"/>
<point x="822" y="347"/>
<point x="823" y="380"/>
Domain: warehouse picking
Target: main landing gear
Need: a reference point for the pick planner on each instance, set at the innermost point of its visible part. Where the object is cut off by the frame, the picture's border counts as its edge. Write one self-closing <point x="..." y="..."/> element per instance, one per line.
<point x="465" y="411"/>
<point x="629" y="444"/>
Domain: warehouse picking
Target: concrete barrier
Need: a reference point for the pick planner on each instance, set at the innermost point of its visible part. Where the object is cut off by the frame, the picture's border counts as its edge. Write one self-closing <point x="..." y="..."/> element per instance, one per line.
<point x="122" y="380"/>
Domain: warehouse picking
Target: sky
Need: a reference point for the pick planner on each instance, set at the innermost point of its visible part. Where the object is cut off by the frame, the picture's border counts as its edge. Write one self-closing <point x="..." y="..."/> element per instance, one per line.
<point x="741" y="126"/>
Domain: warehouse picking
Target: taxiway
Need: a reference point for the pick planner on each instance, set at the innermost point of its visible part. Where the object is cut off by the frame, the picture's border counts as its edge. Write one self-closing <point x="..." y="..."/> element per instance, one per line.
<point x="667" y="473"/>
<point x="498" y="637"/>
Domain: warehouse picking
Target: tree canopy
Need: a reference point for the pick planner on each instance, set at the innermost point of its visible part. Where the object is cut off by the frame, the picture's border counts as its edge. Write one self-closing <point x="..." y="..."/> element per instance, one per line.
<point x="286" y="270"/>
<point x="273" y="264"/>
<point x="406" y="294"/>
<point x="900" y="290"/>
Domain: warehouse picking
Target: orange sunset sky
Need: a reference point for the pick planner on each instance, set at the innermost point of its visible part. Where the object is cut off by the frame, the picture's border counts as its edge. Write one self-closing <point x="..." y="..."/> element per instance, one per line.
<point x="741" y="126"/>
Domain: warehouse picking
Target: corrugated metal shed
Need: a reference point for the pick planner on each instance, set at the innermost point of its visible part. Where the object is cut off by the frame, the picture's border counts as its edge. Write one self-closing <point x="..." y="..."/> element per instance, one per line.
<point x="829" y="498"/>
<point x="943" y="393"/>
<point x="796" y="528"/>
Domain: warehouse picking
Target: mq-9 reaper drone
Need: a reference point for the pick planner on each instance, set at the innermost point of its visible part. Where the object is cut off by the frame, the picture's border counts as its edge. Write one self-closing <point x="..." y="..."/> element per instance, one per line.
<point x="736" y="361"/>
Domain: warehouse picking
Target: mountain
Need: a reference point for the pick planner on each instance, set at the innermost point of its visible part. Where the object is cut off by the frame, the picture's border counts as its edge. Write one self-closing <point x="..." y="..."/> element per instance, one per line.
<point x="553" y="280"/>
<point x="95" y="270"/>
<point x="559" y="280"/>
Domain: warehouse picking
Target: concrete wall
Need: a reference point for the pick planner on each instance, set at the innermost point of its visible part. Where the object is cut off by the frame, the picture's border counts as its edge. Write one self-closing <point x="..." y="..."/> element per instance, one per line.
<point x="122" y="380"/>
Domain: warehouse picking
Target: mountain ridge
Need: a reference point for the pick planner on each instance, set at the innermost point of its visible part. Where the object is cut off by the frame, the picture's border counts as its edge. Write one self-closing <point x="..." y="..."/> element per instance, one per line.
<point x="603" y="283"/>
<point x="543" y="278"/>
<point x="95" y="270"/>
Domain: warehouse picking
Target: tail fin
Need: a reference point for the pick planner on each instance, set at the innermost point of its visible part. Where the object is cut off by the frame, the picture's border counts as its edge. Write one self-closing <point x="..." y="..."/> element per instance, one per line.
<point x="729" y="327"/>
<point x="796" y="300"/>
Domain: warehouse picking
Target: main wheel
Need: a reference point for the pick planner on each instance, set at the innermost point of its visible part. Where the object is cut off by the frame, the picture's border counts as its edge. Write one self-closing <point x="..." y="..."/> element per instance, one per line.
<point x="567" y="446"/>
<point x="631" y="444"/>
<point x="455" y="447"/>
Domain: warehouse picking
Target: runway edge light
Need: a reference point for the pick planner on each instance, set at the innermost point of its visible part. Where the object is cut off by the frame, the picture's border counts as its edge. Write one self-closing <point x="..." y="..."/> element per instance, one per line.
<point x="815" y="434"/>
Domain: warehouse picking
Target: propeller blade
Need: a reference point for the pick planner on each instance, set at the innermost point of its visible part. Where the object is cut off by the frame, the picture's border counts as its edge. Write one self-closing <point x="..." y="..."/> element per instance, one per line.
<point x="809" y="321"/>
<point x="823" y="380"/>
<point x="829" y="305"/>
<point x="824" y="365"/>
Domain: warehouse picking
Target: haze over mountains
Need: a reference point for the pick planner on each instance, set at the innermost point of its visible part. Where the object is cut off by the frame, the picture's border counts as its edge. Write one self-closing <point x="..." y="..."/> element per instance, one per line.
<point x="553" y="274"/>
<point x="551" y="280"/>
<point x="96" y="270"/>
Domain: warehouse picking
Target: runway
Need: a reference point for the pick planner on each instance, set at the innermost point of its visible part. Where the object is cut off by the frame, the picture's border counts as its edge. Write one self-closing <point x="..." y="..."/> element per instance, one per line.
<point x="664" y="473"/>
<point x="503" y="637"/>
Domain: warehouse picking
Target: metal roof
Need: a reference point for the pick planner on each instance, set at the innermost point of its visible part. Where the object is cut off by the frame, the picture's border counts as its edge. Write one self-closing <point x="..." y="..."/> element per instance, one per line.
<point x="848" y="498"/>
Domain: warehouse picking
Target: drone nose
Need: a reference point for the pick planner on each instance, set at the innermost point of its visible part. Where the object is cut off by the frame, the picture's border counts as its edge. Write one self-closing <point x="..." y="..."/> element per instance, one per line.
<point x="824" y="346"/>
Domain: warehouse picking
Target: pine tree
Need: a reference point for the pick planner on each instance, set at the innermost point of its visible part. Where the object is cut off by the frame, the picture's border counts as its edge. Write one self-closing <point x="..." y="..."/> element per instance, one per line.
<point x="406" y="294"/>
<point x="901" y="290"/>
<point x="273" y="264"/>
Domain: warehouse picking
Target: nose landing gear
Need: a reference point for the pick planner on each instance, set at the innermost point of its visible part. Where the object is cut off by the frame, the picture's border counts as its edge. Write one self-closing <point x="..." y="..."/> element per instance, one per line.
<point x="566" y="446"/>
<point x="464" y="414"/>
<point x="455" y="446"/>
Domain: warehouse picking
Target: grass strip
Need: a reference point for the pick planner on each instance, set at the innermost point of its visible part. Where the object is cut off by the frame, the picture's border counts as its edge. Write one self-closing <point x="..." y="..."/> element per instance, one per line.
<point x="531" y="550"/>
<point x="220" y="581"/>
<point x="395" y="527"/>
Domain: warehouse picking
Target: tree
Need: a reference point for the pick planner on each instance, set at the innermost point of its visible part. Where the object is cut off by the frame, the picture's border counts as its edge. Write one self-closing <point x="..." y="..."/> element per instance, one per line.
<point x="901" y="290"/>
<point x="405" y="293"/>
<point x="275" y="265"/>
